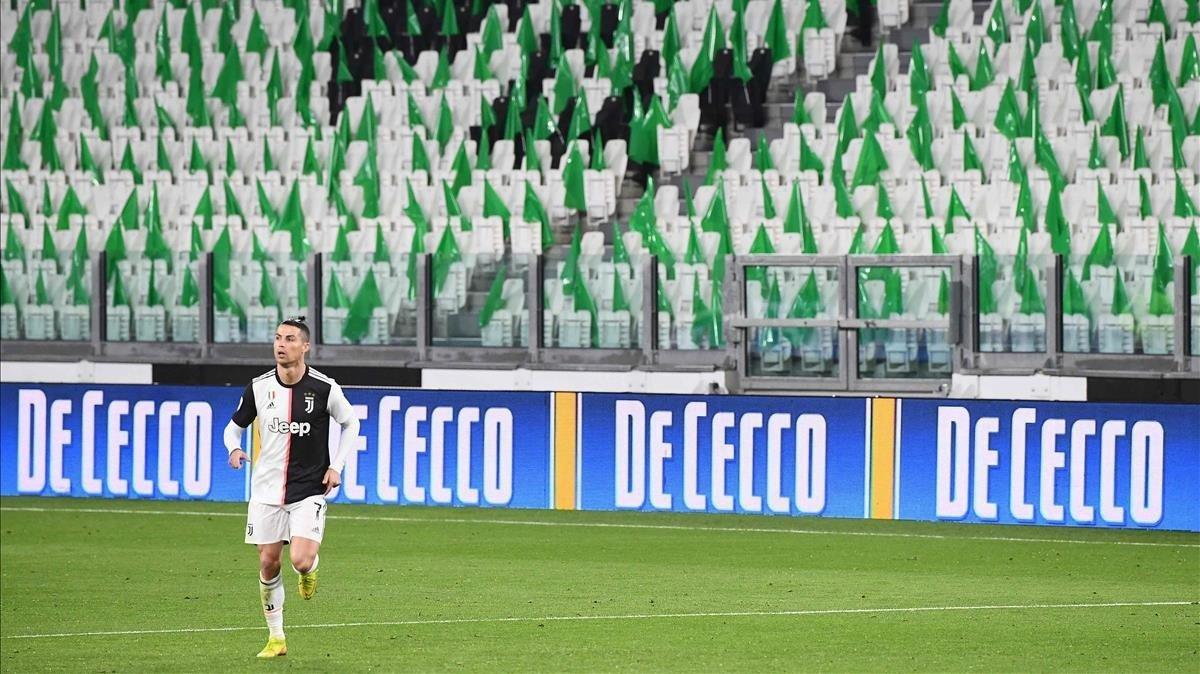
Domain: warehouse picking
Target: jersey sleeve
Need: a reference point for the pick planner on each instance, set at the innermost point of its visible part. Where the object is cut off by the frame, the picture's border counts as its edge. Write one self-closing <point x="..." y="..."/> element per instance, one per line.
<point x="247" y="409"/>
<point x="338" y="407"/>
<point x="342" y="412"/>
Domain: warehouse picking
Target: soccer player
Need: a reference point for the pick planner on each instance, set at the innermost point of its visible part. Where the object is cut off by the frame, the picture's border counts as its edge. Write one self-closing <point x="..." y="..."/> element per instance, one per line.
<point x="294" y="469"/>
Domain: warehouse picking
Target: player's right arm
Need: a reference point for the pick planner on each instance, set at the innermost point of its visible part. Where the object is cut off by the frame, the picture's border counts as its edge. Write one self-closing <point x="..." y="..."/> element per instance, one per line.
<point x="243" y="416"/>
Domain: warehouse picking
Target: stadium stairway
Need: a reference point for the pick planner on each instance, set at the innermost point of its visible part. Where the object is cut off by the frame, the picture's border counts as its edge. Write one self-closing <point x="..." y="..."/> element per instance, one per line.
<point x="854" y="61"/>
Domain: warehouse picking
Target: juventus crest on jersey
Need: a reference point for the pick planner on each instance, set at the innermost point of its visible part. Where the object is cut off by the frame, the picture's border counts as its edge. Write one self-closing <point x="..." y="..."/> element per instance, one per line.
<point x="293" y="424"/>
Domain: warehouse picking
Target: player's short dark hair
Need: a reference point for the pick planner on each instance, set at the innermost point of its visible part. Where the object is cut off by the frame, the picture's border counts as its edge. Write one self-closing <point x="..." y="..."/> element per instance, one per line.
<point x="298" y="323"/>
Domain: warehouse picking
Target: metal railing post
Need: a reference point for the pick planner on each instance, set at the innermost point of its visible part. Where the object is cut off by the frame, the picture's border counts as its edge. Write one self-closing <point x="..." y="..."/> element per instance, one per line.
<point x="733" y="291"/>
<point x="1183" y="310"/>
<point x="954" y="331"/>
<point x="316" y="310"/>
<point x="99" y="307"/>
<point x="204" y="303"/>
<point x="971" y="293"/>
<point x="425" y="303"/>
<point x="848" y="339"/>
<point x="958" y="315"/>
<point x="535" y="300"/>
<point x="649" y="327"/>
<point x="741" y="335"/>
<point x="1053" y="306"/>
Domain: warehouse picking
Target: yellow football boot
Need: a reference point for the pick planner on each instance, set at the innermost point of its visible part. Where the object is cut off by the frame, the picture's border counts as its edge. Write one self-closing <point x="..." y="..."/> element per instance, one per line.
<point x="276" y="647"/>
<point x="308" y="584"/>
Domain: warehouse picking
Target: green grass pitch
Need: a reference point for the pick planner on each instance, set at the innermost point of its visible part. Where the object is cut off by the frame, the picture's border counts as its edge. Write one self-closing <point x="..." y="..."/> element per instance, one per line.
<point x="518" y="590"/>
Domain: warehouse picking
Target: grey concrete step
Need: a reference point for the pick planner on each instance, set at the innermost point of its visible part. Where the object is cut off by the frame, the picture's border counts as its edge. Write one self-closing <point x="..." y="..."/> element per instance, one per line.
<point x="836" y="89"/>
<point x="906" y="36"/>
<point x="924" y="12"/>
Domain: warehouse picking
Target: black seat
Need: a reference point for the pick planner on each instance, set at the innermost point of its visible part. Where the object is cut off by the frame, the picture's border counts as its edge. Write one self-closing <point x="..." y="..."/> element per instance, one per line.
<point x="539" y="69"/>
<point x="430" y="26"/>
<point x="570" y="26"/>
<point x="761" y="65"/>
<point x="645" y="71"/>
<point x="611" y="120"/>
<point x="610" y="18"/>
<point x="714" y="101"/>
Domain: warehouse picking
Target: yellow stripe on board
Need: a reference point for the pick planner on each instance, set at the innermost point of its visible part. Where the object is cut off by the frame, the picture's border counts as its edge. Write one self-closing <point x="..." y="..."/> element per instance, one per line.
<point x="565" y="449"/>
<point x="883" y="457"/>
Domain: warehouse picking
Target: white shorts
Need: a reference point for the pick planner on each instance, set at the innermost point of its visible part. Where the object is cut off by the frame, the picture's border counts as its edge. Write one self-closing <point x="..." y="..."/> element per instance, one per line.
<point x="266" y="523"/>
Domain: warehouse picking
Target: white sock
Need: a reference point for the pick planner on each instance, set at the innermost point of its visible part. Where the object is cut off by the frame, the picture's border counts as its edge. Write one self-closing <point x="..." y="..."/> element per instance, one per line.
<point x="271" y="593"/>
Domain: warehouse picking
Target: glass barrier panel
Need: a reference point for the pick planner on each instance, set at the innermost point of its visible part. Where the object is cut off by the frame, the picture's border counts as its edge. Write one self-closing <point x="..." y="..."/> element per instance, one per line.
<point x="591" y="299"/>
<point x="691" y="308"/>
<point x="370" y="298"/>
<point x="253" y="292"/>
<point x="1118" y="304"/>
<point x="46" y="295"/>
<point x="492" y="312"/>
<point x="800" y="293"/>
<point x="907" y="353"/>
<point x="1010" y="297"/>
<point x="904" y="293"/>
<point x="152" y="297"/>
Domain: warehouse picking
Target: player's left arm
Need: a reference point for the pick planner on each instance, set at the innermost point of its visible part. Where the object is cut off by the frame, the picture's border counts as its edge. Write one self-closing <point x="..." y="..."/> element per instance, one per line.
<point x="340" y="411"/>
<point x="243" y="416"/>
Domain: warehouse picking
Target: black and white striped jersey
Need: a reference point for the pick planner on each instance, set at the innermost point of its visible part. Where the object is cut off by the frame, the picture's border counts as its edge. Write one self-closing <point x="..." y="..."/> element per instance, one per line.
<point x="293" y="428"/>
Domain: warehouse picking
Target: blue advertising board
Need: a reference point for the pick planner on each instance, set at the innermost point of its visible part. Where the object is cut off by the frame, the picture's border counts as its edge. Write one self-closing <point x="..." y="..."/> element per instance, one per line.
<point x="1040" y="463"/>
<point x="449" y="448"/>
<point x="738" y="454"/>
<point x="1078" y="464"/>
<point x="165" y="442"/>
<point x="154" y="442"/>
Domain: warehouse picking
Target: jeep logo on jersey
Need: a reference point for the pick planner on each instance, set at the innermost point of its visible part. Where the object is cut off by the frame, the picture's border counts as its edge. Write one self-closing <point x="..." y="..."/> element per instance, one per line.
<point x="277" y="425"/>
<point x="309" y="401"/>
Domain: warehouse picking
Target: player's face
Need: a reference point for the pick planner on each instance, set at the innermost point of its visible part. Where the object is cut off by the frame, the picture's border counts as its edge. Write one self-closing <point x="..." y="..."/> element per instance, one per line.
<point x="290" y="345"/>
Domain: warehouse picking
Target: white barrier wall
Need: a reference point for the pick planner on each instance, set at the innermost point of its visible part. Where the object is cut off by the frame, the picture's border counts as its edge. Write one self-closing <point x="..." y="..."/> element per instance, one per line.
<point x="962" y="386"/>
<point x="634" y="381"/>
<point x="82" y="372"/>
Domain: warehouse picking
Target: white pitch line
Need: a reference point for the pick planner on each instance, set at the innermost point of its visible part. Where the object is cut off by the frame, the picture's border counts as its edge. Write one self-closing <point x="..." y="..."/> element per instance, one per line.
<point x="613" y="525"/>
<point x="629" y="616"/>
